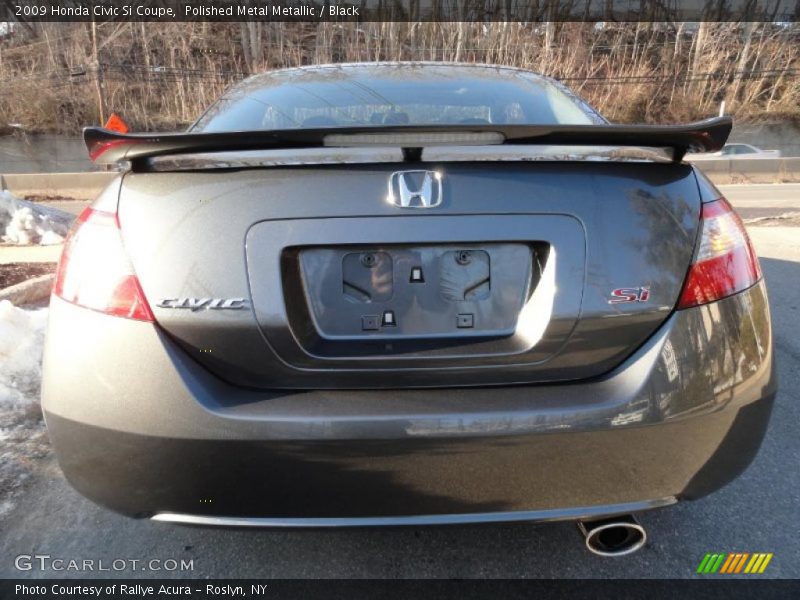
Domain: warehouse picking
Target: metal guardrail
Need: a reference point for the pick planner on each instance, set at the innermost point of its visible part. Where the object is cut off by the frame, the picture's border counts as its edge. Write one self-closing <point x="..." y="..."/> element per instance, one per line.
<point x="756" y="170"/>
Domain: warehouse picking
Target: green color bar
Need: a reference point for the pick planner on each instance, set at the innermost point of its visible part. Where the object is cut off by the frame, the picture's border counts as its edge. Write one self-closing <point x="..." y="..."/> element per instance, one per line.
<point x="711" y="562"/>
<point x="702" y="566"/>
<point x="718" y="564"/>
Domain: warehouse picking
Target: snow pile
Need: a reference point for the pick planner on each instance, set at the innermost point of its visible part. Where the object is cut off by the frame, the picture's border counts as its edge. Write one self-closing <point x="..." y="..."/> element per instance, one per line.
<point x="25" y="229"/>
<point x="24" y="223"/>
<point x="21" y="343"/>
<point x="23" y="438"/>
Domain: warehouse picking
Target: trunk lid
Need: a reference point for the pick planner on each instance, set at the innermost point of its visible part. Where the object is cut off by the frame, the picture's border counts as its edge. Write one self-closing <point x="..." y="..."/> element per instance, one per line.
<point x="531" y="271"/>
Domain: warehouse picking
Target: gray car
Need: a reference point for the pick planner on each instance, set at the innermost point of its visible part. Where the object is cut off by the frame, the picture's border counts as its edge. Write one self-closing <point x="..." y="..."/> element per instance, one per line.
<point x="394" y="293"/>
<point x="737" y="151"/>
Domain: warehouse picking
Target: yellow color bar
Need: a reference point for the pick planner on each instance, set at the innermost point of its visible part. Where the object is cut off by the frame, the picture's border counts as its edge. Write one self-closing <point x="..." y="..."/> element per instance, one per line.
<point x="749" y="567"/>
<point x="756" y="566"/>
<point x="765" y="563"/>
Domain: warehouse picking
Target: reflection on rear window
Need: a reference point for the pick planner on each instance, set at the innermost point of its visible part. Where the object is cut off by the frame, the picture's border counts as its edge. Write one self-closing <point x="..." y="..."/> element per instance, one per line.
<point x="393" y="95"/>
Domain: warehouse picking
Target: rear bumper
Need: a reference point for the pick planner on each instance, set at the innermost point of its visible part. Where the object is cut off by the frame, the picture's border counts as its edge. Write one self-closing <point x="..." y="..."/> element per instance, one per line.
<point x="141" y="428"/>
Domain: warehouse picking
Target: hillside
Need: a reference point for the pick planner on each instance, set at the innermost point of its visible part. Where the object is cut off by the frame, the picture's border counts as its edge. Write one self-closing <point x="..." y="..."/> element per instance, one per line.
<point x="58" y="77"/>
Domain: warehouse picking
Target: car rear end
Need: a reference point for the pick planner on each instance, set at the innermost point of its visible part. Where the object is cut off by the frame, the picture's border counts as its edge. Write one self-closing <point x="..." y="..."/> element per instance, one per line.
<point x="244" y="341"/>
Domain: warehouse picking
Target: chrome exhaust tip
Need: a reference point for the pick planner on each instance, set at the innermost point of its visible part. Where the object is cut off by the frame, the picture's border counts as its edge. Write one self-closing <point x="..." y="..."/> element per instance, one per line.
<point x="615" y="536"/>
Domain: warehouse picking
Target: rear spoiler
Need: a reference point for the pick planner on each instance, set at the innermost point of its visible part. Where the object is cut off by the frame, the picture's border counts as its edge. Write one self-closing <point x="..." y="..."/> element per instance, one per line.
<point x="107" y="147"/>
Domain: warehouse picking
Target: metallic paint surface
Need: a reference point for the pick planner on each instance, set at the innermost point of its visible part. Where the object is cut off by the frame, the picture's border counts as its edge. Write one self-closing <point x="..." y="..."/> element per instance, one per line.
<point x="140" y="427"/>
<point x="640" y="222"/>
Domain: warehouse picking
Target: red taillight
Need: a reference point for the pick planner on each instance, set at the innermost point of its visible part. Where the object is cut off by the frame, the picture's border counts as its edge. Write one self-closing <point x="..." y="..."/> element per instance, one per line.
<point x="95" y="271"/>
<point x="725" y="262"/>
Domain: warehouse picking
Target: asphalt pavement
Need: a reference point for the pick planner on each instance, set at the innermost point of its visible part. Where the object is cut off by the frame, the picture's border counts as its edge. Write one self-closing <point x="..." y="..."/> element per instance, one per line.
<point x="760" y="200"/>
<point x="756" y="513"/>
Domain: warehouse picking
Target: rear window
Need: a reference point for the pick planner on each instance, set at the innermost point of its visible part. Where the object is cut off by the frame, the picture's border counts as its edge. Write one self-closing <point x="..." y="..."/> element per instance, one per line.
<point x="393" y="95"/>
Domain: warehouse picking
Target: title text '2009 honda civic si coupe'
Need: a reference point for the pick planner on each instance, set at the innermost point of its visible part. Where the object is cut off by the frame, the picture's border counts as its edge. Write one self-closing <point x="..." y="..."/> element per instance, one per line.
<point x="400" y="293"/>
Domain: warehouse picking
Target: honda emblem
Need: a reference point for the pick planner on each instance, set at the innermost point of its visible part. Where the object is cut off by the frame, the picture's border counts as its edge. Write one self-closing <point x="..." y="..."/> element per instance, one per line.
<point x="415" y="189"/>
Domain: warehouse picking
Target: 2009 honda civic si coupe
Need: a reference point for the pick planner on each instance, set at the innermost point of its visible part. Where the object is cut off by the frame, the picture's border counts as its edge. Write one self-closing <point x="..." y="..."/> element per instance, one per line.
<point x="402" y="293"/>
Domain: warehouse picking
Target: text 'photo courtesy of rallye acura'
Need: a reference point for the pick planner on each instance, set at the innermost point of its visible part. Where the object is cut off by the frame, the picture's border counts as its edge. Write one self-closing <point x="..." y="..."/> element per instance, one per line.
<point x="407" y="293"/>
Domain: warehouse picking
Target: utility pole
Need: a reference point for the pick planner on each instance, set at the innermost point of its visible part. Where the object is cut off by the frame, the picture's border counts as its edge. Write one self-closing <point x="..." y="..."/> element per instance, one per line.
<point x="98" y="76"/>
